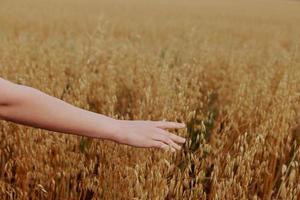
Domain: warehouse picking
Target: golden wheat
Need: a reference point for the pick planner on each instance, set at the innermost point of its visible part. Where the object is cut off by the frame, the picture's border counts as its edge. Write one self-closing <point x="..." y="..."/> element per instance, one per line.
<point x="229" y="69"/>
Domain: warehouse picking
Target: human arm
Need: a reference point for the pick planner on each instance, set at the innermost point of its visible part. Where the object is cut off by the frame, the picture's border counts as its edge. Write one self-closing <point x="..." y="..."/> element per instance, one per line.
<point x="29" y="106"/>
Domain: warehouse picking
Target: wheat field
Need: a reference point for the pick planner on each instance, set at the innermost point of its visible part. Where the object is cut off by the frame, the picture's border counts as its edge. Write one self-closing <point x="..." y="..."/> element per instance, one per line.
<point x="228" y="69"/>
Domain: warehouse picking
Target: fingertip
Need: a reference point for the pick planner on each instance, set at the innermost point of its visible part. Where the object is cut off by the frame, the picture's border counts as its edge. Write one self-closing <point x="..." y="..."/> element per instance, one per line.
<point x="183" y="126"/>
<point x="177" y="125"/>
<point x="170" y="125"/>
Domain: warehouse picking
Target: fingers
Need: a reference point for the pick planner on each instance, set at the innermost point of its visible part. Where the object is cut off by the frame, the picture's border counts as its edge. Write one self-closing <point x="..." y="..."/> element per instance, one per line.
<point x="168" y="125"/>
<point x="174" y="137"/>
<point x="173" y="144"/>
<point x="161" y="145"/>
<point x="165" y="138"/>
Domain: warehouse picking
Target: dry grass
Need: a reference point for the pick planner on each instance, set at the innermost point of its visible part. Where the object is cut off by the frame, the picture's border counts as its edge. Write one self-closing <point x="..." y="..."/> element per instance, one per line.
<point x="228" y="69"/>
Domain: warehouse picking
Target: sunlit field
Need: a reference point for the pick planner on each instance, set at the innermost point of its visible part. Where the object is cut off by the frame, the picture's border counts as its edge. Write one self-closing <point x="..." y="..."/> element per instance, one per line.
<point x="228" y="69"/>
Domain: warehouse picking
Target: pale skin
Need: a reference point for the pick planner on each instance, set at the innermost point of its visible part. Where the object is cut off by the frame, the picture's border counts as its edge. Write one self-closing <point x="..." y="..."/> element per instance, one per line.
<point x="28" y="106"/>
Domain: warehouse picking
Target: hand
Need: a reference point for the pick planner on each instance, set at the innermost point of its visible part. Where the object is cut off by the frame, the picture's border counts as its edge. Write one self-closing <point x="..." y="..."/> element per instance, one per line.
<point x="148" y="134"/>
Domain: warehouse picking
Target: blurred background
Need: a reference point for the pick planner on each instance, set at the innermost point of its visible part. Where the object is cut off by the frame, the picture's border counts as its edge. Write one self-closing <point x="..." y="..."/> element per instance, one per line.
<point x="229" y="69"/>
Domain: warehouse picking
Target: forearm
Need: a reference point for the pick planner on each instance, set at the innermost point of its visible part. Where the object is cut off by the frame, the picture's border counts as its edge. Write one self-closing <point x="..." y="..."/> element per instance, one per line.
<point x="34" y="108"/>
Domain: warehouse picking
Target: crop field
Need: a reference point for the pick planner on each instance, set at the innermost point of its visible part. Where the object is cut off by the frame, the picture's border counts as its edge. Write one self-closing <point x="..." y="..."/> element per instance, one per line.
<point x="228" y="69"/>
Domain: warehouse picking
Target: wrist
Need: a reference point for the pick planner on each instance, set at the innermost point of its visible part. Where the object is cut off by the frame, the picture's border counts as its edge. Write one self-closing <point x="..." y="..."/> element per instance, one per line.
<point x="112" y="129"/>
